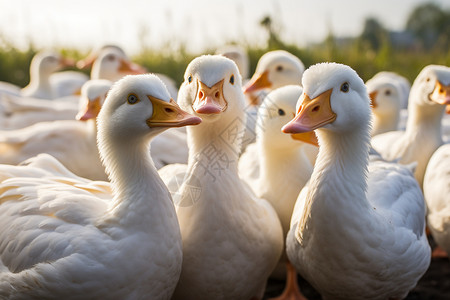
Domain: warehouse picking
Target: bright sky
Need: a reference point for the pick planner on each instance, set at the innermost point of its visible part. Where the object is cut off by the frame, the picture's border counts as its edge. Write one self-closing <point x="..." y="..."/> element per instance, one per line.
<point x="198" y="24"/>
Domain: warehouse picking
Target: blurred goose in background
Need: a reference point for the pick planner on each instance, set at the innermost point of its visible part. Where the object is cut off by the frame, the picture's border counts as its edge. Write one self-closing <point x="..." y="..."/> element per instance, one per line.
<point x="276" y="153"/>
<point x="19" y="112"/>
<point x="429" y="95"/>
<point x="43" y="66"/>
<point x="9" y="89"/>
<point x="403" y="85"/>
<point x="436" y="188"/>
<point x="358" y="228"/>
<point x="239" y="56"/>
<point x="125" y="246"/>
<point x="72" y="142"/>
<point x="111" y="62"/>
<point x="386" y="105"/>
<point x="274" y="69"/>
<point x="231" y="239"/>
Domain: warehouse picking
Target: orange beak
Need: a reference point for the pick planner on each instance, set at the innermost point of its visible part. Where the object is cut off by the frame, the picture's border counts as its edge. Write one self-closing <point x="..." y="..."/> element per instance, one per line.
<point x="169" y="114"/>
<point x="306" y="137"/>
<point x="66" y="62"/>
<point x="373" y="97"/>
<point x="87" y="62"/>
<point x="312" y="114"/>
<point x="130" y="68"/>
<point x="441" y="93"/>
<point x="210" y="100"/>
<point x="258" y="82"/>
<point x="91" y="110"/>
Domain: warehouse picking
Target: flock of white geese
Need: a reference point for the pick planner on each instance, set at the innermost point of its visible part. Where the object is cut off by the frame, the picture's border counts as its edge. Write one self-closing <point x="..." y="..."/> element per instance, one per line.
<point x="135" y="189"/>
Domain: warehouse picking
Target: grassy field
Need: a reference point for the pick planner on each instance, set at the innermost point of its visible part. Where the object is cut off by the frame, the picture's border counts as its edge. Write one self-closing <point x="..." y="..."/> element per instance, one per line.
<point x="14" y="63"/>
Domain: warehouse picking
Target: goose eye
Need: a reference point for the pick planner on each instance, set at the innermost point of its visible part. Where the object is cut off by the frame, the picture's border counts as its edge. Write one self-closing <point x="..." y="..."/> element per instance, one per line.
<point x="190" y="78"/>
<point x="110" y="57"/>
<point x="232" y="79"/>
<point x="132" y="99"/>
<point x="388" y="92"/>
<point x="281" y="112"/>
<point x="345" y="87"/>
<point x="279" y="68"/>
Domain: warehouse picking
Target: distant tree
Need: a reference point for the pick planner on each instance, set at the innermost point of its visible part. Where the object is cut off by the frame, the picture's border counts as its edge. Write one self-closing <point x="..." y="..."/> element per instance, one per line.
<point x="373" y="35"/>
<point x="430" y="25"/>
<point x="273" y="40"/>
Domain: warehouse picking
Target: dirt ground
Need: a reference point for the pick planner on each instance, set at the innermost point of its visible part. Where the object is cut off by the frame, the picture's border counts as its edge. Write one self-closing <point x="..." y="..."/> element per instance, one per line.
<point x="434" y="285"/>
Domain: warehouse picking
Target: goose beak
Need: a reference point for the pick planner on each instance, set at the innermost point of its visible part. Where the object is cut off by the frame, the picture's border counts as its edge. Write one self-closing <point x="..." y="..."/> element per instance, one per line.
<point x="210" y="100"/>
<point x="131" y="68"/>
<point x="306" y="137"/>
<point x="373" y="99"/>
<point x="447" y="109"/>
<point x="66" y="62"/>
<point x="87" y="62"/>
<point x="312" y="114"/>
<point x="169" y="114"/>
<point x="90" y="111"/>
<point x="258" y="82"/>
<point x="441" y="93"/>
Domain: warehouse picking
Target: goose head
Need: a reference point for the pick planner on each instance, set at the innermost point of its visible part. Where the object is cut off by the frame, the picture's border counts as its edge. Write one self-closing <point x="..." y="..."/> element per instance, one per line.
<point x="278" y="108"/>
<point x="275" y="69"/>
<point x="113" y="64"/>
<point x="384" y="97"/>
<point x="88" y="61"/>
<point x="386" y="103"/>
<point x="93" y="94"/>
<point x="212" y="89"/>
<point x="431" y="87"/>
<point x="45" y="63"/>
<point x="138" y="106"/>
<point x="239" y="56"/>
<point x="334" y="99"/>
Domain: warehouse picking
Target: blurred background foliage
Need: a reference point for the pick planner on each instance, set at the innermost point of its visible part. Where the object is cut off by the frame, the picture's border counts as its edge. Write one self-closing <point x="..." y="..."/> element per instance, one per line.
<point x="425" y="40"/>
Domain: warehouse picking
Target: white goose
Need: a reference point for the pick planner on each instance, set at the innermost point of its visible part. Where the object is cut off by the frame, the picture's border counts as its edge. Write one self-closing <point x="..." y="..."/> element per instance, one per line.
<point x="276" y="153"/>
<point x="402" y="83"/>
<point x="72" y="142"/>
<point x="423" y="135"/>
<point x="239" y="56"/>
<point x="358" y="229"/>
<point x="110" y="62"/>
<point x="436" y="188"/>
<point x="62" y="241"/>
<point x="231" y="239"/>
<point x="43" y="65"/>
<point x="19" y="112"/>
<point x="386" y="106"/>
<point x="274" y="69"/>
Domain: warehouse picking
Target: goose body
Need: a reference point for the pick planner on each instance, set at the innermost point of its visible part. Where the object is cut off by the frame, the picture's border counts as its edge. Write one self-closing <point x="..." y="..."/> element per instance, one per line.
<point x="18" y="112"/>
<point x="276" y="153"/>
<point x="436" y="188"/>
<point x="231" y="239"/>
<point x="358" y="228"/>
<point x="63" y="239"/>
<point x="72" y="142"/>
<point x="423" y="135"/>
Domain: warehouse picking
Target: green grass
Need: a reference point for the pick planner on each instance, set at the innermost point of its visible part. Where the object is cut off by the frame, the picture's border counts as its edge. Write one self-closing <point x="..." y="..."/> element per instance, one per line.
<point x="14" y="63"/>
